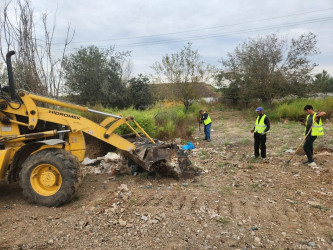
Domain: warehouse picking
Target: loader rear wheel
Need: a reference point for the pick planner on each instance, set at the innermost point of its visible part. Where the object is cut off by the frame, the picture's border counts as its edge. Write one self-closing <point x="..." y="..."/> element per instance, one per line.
<point x="50" y="177"/>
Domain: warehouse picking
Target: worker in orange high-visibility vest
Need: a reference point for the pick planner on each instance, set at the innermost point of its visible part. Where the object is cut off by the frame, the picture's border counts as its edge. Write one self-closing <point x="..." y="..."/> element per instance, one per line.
<point x="205" y="119"/>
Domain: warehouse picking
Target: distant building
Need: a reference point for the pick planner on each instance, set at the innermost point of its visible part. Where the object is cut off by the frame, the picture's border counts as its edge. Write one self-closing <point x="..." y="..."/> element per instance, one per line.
<point x="164" y="91"/>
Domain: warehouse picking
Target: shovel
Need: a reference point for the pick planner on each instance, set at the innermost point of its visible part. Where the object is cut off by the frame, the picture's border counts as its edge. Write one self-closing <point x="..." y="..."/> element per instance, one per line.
<point x="288" y="161"/>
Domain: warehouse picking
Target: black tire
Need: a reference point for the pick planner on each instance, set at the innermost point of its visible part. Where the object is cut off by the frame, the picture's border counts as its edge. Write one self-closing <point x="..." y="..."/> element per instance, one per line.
<point x="66" y="168"/>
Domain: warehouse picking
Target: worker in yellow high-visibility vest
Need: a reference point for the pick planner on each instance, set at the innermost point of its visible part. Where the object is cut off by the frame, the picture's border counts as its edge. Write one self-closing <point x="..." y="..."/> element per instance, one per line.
<point x="316" y="130"/>
<point x="205" y="119"/>
<point x="260" y="129"/>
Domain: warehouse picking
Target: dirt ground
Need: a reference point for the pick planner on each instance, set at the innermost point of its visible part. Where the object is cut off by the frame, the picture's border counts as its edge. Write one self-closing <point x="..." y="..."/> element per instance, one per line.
<point x="237" y="203"/>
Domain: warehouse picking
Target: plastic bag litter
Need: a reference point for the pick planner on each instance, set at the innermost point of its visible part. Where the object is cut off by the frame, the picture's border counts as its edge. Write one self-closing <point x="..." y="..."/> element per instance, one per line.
<point x="189" y="146"/>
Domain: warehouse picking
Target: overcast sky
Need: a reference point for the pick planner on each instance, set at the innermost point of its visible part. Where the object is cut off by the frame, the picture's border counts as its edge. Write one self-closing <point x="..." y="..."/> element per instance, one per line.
<point x="153" y="28"/>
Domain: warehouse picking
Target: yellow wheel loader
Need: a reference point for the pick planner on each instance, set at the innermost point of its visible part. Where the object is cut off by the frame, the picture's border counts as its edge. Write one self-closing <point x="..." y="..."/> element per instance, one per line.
<point x="41" y="147"/>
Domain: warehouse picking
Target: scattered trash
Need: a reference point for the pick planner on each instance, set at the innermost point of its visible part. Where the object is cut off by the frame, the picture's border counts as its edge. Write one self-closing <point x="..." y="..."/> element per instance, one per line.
<point x="87" y="161"/>
<point x="146" y="187"/>
<point x="97" y="171"/>
<point x="314" y="203"/>
<point x="134" y="170"/>
<point x="111" y="163"/>
<point x="168" y="187"/>
<point x="189" y="146"/>
<point x="185" y="185"/>
<point x="254" y="228"/>
<point x="145" y="218"/>
<point x="290" y="151"/>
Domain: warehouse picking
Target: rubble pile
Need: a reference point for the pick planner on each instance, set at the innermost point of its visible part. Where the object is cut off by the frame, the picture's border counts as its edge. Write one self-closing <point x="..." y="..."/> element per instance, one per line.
<point x="111" y="163"/>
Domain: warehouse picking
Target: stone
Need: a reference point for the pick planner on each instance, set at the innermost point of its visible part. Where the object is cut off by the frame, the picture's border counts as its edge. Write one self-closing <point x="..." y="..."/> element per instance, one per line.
<point x="284" y="234"/>
<point x="257" y="240"/>
<point x="123" y="188"/>
<point x="311" y="244"/>
<point x="122" y="223"/>
<point x="208" y="237"/>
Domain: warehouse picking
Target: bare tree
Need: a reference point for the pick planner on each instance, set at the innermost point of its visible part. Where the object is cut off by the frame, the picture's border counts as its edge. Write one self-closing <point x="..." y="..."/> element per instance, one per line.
<point x="36" y="68"/>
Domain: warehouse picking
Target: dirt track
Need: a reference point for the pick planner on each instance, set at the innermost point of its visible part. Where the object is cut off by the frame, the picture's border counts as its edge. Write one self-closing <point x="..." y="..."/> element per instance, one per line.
<point x="237" y="203"/>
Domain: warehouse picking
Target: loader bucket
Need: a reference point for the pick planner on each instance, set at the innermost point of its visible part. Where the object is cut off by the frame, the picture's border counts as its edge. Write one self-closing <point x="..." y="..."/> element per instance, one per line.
<point x="165" y="159"/>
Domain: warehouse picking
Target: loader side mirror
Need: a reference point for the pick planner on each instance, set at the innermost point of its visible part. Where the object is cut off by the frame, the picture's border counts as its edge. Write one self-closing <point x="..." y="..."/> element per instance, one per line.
<point x="10" y="74"/>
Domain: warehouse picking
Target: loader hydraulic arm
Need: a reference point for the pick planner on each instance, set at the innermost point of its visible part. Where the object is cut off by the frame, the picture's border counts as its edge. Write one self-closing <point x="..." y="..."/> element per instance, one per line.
<point x="74" y="122"/>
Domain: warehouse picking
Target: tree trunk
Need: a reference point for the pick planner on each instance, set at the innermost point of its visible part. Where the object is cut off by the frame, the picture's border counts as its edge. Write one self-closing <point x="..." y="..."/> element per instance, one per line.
<point x="267" y="102"/>
<point x="187" y="105"/>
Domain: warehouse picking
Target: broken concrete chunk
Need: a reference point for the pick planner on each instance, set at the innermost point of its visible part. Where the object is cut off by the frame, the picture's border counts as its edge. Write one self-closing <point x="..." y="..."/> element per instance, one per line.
<point x="87" y="161"/>
<point x="111" y="156"/>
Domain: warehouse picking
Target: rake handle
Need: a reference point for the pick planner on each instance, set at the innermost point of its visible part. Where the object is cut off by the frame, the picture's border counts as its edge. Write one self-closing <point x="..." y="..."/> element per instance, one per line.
<point x="301" y="142"/>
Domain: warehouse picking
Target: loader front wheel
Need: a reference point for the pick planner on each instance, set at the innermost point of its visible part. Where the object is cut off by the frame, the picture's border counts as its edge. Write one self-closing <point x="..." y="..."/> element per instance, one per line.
<point x="50" y="177"/>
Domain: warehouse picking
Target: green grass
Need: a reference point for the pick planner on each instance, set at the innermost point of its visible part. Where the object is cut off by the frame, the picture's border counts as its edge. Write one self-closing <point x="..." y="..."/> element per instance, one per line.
<point x="320" y="207"/>
<point x="223" y="220"/>
<point x="225" y="190"/>
<point x="255" y="186"/>
<point x="294" y="109"/>
<point x="159" y="122"/>
<point x="203" y="155"/>
<point x="133" y="201"/>
<point x="249" y="166"/>
<point x="222" y="164"/>
<point x="254" y="160"/>
<point x="245" y="141"/>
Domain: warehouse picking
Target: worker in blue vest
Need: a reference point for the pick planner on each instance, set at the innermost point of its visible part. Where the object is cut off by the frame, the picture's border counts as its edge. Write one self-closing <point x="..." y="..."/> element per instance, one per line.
<point x="260" y="129"/>
<point x="205" y="119"/>
<point x="313" y="121"/>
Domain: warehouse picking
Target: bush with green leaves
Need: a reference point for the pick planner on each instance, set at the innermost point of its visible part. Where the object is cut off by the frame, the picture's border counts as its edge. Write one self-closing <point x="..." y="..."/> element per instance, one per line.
<point x="158" y="122"/>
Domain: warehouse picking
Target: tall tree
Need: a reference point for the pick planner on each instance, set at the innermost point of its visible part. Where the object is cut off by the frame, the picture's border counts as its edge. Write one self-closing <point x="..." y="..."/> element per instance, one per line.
<point x="183" y="69"/>
<point x="268" y="67"/>
<point x="94" y="75"/>
<point x="36" y="68"/>
<point x="323" y="82"/>
<point x="139" y="92"/>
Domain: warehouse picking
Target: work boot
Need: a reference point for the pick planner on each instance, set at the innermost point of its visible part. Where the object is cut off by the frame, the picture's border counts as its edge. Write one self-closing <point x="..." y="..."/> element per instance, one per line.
<point x="208" y="140"/>
<point x="312" y="164"/>
<point x="306" y="162"/>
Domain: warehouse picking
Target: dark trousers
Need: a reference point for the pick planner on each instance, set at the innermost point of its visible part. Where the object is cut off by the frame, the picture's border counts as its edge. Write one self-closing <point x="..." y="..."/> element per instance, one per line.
<point x="207" y="131"/>
<point x="259" y="141"/>
<point x="308" y="147"/>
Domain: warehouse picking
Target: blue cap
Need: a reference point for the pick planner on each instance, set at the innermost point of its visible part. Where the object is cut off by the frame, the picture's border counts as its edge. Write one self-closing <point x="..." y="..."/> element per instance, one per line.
<point x="259" y="109"/>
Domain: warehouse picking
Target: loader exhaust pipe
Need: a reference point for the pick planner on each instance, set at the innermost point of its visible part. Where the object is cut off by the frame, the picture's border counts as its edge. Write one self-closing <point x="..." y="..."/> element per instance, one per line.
<point x="10" y="74"/>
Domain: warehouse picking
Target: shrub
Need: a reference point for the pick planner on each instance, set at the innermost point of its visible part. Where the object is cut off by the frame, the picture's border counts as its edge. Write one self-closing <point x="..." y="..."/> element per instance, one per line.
<point x="160" y="122"/>
<point x="293" y="109"/>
